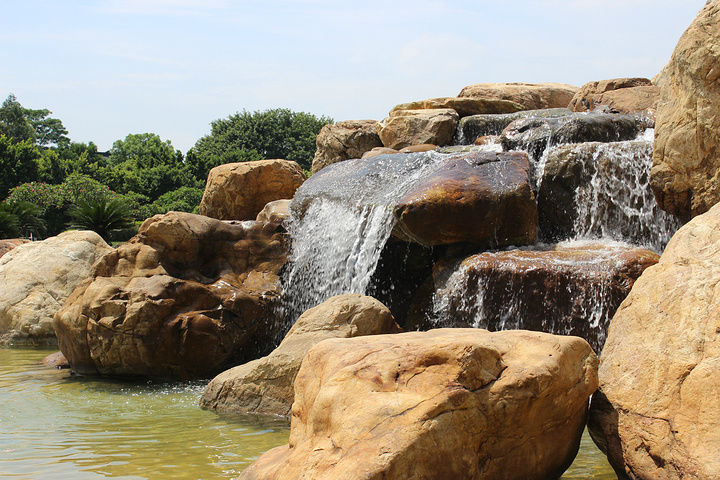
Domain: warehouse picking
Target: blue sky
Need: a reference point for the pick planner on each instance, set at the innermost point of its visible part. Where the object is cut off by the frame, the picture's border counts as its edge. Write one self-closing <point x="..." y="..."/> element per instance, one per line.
<point x="108" y="68"/>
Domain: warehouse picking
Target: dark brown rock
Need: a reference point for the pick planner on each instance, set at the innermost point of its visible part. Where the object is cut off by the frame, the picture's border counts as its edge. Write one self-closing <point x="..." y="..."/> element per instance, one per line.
<point x="184" y="298"/>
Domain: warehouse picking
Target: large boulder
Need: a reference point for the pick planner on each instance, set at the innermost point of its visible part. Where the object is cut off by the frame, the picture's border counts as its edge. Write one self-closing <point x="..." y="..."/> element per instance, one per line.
<point x="415" y="127"/>
<point x="343" y="141"/>
<point x="480" y="197"/>
<point x="686" y="164"/>
<point x="531" y="96"/>
<point x="463" y="106"/>
<point x="455" y="403"/>
<point x="239" y="191"/>
<point x="265" y="385"/>
<point x="564" y="289"/>
<point x="593" y="94"/>
<point x="596" y="190"/>
<point x="536" y="134"/>
<point x="475" y="126"/>
<point x="656" y="415"/>
<point x="184" y="298"/>
<point x="35" y="280"/>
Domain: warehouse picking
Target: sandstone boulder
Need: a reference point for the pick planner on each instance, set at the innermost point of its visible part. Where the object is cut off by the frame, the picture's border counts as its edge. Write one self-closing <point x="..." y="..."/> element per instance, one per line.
<point x="534" y="135"/>
<point x="463" y="106"/>
<point x="7" y="245"/>
<point x="266" y="385"/>
<point x="182" y="299"/>
<point x="585" y="98"/>
<point x="686" y="165"/>
<point x="415" y="127"/>
<point x="379" y="151"/>
<point x="456" y="403"/>
<point x="656" y="412"/>
<point x="480" y="197"/>
<point x="343" y="141"/>
<point x="277" y="211"/>
<point x="238" y="191"/>
<point x="564" y="289"/>
<point x="531" y="96"/>
<point x="35" y="280"/>
<point x="470" y="128"/>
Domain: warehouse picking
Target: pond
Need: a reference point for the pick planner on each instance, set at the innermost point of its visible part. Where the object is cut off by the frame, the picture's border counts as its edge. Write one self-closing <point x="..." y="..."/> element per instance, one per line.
<point x="55" y="425"/>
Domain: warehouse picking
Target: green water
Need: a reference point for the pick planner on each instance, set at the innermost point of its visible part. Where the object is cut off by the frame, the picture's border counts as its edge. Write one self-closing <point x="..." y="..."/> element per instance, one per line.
<point x="54" y="425"/>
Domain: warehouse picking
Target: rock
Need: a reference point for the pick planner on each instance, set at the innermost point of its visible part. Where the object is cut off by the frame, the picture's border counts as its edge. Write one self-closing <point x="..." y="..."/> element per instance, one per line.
<point x="56" y="360"/>
<point x="425" y="147"/>
<point x="463" y="106"/>
<point x="455" y="403"/>
<point x="7" y="245"/>
<point x="470" y="128"/>
<point x="601" y="190"/>
<point x="266" y="385"/>
<point x="37" y="277"/>
<point x="379" y="151"/>
<point x="276" y="211"/>
<point x="238" y="191"/>
<point x="487" y="140"/>
<point x="184" y="298"/>
<point x="656" y="413"/>
<point x="534" y="135"/>
<point x="480" y="197"/>
<point x="415" y="127"/>
<point x="584" y="99"/>
<point x="531" y="96"/>
<point x="625" y="100"/>
<point x="686" y="165"/>
<point x="343" y="141"/>
<point x="564" y="289"/>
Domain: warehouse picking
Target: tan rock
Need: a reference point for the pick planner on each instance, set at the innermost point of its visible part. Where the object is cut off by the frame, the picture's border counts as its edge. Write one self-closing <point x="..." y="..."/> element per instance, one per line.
<point x="238" y="191"/>
<point x="686" y="164"/>
<point x="625" y="100"/>
<point x="37" y="277"/>
<point x="184" y="298"/>
<point x="344" y="141"/>
<point x="415" y="127"/>
<point x="276" y="211"/>
<point x="7" y="245"/>
<point x="266" y="385"/>
<point x="584" y="99"/>
<point x="463" y="106"/>
<point x="379" y="151"/>
<point x="656" y="414"/>
<point x="530" y="96"/>
<point x="426" y="147"/>
<point x="446" y="404"/>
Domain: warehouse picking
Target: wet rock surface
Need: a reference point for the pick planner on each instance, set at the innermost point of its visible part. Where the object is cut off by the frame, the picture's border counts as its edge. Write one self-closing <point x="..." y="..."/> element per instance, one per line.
<point x="183" y="299"/>
<point x="473" y="127"/>
<point x="456" y="403"/>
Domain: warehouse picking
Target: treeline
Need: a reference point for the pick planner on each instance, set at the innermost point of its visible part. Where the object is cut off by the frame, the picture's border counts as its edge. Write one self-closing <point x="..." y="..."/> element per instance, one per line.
<point x="49" y="183"/>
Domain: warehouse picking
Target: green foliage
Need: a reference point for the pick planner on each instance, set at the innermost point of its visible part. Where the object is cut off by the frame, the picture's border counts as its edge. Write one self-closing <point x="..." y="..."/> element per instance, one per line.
<point x="200" y="165"/>
<point x="184" y="199"/>
<point x="277" y="133"/>
<point x="18" y="163"/>
<point x="13" y="122"/>
<point x="9" y="225"/>
<point x="27" y="219"/>
<point x="49" y="132"/>
<point x="101" y="215"/>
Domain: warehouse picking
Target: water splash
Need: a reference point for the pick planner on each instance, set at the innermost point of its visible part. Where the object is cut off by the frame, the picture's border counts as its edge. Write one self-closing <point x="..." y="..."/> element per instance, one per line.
<point x="341" y="219"/>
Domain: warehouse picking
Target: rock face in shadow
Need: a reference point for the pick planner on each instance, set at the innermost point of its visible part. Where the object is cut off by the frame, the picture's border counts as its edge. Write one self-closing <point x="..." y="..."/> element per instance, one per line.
<point x="656" y="412"/>
<point x="239" y="191"/>
<point x="455" y="403"/>
<point x="473" y="127"/>
<point x="531" y="96"/>
<point x="686" y="162"/>
<point x="344" y="141"/>
<point x="265" y="385"/>
<point x="481" y="198"/>
<point x="566" y="289"/>
<point x="182" y="299"/>
<point x="35" y="280"/>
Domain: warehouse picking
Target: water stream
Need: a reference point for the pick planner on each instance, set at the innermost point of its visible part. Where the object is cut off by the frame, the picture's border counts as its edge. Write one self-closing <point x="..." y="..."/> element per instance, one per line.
<point x="55" y="426"/>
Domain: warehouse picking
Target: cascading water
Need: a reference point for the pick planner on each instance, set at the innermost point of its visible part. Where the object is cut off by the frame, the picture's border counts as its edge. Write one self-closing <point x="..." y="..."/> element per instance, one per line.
<point x="339" y="228"/>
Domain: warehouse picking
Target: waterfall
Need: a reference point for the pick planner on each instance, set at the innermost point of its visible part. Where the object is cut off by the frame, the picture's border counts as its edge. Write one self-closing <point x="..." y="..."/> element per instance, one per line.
<point x="341" y="219"/>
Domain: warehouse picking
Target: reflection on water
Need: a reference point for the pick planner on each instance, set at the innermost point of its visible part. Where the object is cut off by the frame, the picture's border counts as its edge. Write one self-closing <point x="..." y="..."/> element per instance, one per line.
<point x="58" y="426"/>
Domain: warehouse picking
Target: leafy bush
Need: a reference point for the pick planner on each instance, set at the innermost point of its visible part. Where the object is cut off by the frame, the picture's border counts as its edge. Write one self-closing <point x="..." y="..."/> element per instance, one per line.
<point x="102" y="216"/>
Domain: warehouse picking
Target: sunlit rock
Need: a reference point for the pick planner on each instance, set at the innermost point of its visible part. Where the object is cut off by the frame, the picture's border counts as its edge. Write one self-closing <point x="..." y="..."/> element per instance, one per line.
<point x="531" y="96"/>
<point x="344" y="141"/>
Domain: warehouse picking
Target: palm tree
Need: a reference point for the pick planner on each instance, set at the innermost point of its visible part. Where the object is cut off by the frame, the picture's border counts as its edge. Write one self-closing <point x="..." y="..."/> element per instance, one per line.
<point x="102" y="216"/>
<point x="28" y="219"/>
<point x="8" y="225"/>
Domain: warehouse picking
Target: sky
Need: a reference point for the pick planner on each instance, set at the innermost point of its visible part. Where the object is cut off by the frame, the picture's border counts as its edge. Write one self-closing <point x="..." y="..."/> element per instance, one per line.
<point x="109" y="68"/>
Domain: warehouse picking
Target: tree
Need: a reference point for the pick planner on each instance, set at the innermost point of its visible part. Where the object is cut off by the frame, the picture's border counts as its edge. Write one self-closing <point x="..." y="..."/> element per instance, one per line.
<point x="27" y="220"/>
<point x="276" y="133"/>
<point x="49" y="132"/>
<point x="13" y="123"/>
<point x="102" y="216"/>
<point x="19" y="163"/>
